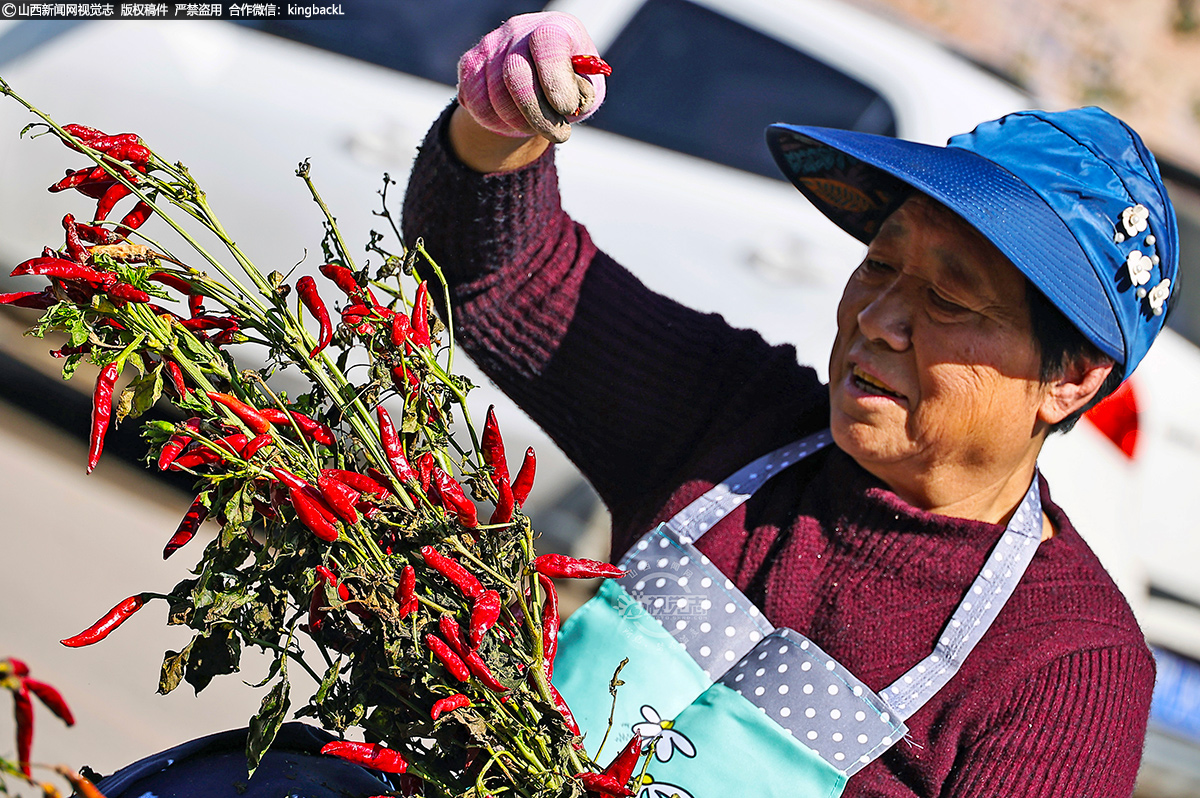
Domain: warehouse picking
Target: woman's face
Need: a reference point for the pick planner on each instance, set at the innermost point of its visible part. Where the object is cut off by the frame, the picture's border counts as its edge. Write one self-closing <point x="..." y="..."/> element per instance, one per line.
<point x="934" y="373"/>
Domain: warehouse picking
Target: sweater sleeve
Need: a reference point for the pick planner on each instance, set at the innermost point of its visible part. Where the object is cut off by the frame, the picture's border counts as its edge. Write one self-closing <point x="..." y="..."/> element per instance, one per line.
<point x="623" y="379"/>
<point x="1075" y="729"/>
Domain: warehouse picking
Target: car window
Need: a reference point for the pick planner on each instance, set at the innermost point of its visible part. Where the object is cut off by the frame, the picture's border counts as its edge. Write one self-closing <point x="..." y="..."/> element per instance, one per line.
<point x="701" y="83"/>
<point x="415" y="36"/>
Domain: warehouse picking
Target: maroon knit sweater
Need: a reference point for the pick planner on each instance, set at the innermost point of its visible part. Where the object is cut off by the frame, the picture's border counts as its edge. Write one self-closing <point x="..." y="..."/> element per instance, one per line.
<point x="656" y="403"/>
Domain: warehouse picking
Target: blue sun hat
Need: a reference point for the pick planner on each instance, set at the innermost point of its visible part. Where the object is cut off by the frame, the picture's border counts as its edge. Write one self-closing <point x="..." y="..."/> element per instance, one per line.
<point x="1073" y="198"/>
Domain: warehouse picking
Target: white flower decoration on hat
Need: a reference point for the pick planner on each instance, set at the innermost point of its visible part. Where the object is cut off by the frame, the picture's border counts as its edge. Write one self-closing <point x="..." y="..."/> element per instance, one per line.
<point x="1135" y="219"/>
<point x="1158" y="295"/>
<point x="1139" y="267"/>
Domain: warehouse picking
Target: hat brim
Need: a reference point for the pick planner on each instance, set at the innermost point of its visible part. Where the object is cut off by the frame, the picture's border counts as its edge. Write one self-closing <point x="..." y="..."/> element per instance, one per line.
<point x="858" y="179"/>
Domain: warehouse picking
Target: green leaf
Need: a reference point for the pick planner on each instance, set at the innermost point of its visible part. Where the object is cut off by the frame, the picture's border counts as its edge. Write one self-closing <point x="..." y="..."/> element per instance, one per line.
<point x="173" y="666"/>
<point x="140" y="395"/>
<point x="71" y="364"/>
<point x="265" y="725"/>
<point x="213" y="653"/>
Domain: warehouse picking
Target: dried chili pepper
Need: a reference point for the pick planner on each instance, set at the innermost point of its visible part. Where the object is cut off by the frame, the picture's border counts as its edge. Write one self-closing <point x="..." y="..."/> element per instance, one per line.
<point x="341" y="497"/>
<point x="16" y="667"/>
<point x="23" y="713"/>
<point x="492" y="445"/>
<point x="453" y="498"/>
<point x="560" y="566"/>
<point x="256" y="445"/>
<point x="110" y="621"/>
<point x="420" y="316"/>
<point x="195" y="304"/>
<point x="450" y="568"/>
<point x="197" y="457"/>
<point x="52" y="699"/>
<point x="603" y="784"/>
<point x="123" y="292"/>
<point x="306" y="287"/>
<point x="115" y="193"/>
<point x="550" y="624"/>
<point x="38" y="300"/>
<point x="454" y="664"/>
<point x="191" y="522"/>
<point x="368" y="755"/>
<point x="76" y="177"/>
<point x="524" y="481"/>
<point x="484" y="614"/>
<point x="406" y="591"/>
<point x="135" y="218"/>
<point x="590" y="65"/>
<point x="210" y="322"/>
<point x="343" y="278"/>
<point x="96" y="235"/>
<point x="401" y="329"/>
<point x="174" y="446"/>
<point x="448" y="704"/>
<point x="394" y="449"/>
<point x="475" y="664"/>
<point x="101" y="412"/>
<point x="173" y="281"/>
<point x="561" y="705"/>
<point x="249" y="415"/>
<point x="75" y="247"/>
<point x="310" y="514"/>
<point x="314" y="430"/>
<point x="621" y="768"/>
<point x="63" y="270"/>
<point x="424" y="466"/>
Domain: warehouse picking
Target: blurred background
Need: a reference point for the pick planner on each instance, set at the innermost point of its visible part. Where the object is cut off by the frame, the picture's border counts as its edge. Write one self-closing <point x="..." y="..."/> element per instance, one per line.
<point x="671" y="176"/>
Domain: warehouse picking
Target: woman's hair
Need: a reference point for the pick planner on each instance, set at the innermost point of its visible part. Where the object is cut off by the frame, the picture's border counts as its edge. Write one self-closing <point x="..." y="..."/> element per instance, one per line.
<point x="1061" y="344"/>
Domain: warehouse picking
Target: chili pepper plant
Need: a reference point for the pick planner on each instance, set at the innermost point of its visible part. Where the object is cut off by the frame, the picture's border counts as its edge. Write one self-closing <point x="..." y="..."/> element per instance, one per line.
<point x="349" y="542"/>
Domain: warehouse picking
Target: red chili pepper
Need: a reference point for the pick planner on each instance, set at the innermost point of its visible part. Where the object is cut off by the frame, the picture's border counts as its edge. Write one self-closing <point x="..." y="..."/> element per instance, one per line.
<point x="173" y="281"/>
<point x="101" y="412"/>
<point x="524" y="481"/>
<point x="341" y="497"/>
<point x="453" y="498"/>
<point x="457" y="668"/>
<point x="197" y="457"/>
<point x="134" y="219"/>
<point x="96" y="235"/>
<point x="311" y="515"/>
<point x="394" y="448"/>
<point x="249" y="415"/>
<point x="406" y="591"/>
<point x="172" y="448"/>
<point x="368" y="755"/>
<point x="343" y="278"/>
<point x="590" y="65"/>
<point x="276" y="416"/>
<point x="450" y="568"/>
<point x="115" y="193"/>
<point x="550" y="624"/>
<point x="306" y="287"/>
<point x="210" y="322"/>
<point x="257" y="444"/>
<point x="38" y="300"/>
<point x="560" y="566"/>
<point x="176" y="375"/>
<point x="110" y="621"/>
<point x="475" y="664"/>
<point x="449" y="704"/>
<point x="316" y="608"/>
<point x="23" y="713"/>
<point x="17" y="666"/>
<point x="424" y="466"/>
<point x="561" y="705"/>
<point x="75" y="178"/>
<point x="81" y="132"/>
<point x="75" y="247"/>
<point x="603" y="784"/>
<point x="401" y="330"/>
<point x="234" y="444"/>
<point x="420" y="316"/>
<point x="313" y="429"/>
<point x="123" y="292"/>
<point x="195" y="305"/>
<point x="131" y="151"/>
<point x="328" y="577"/>
<point x="191" y="522"/>
<point x="484" y="615"/>
<point x="360" y="482"/>
<point x="63" y="270"/>
<point x="621" y="768"/>
<point x="52" y="699"/>
<point x="357" y="312"/>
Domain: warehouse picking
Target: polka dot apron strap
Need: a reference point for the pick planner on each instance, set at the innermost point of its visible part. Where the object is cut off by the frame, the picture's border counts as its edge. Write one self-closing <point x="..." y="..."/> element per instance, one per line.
<point x="690" y="523"/>
<point x="984" y="600"/>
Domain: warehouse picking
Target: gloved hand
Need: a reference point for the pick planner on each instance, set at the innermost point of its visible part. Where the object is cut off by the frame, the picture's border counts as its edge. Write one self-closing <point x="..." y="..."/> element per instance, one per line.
<point x="518" y="81"/>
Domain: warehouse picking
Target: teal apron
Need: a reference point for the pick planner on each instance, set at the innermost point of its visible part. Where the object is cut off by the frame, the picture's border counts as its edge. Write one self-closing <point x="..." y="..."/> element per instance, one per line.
<point x="733" y="703"/>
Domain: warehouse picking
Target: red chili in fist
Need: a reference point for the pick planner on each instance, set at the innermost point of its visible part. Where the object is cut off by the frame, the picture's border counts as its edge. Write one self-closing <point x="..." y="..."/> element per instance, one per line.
<point x="590" y="65"/>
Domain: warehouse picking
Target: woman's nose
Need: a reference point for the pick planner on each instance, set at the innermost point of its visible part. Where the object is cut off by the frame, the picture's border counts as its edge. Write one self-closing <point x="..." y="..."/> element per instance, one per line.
<point x="887" y="317"/>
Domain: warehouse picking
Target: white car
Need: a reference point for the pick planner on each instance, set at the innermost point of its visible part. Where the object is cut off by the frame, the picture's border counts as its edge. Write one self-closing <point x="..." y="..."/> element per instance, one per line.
<point x="679" y="142"/>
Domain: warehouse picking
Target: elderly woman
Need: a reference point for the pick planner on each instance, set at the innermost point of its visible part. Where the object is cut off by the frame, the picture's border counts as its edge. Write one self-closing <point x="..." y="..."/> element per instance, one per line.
<point x="1012" y="279"/>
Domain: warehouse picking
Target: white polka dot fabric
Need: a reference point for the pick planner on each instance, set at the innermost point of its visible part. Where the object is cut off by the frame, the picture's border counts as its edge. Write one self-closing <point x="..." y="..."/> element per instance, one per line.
<point x="983" y="602"/>
<point x="816" y="700"/>
<point x="693" y="521"/>
<point x="693" y="600"/>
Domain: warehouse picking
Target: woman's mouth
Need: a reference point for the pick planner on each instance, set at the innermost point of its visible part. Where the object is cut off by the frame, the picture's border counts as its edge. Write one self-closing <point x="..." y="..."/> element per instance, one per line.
<point x="870" y="385"/>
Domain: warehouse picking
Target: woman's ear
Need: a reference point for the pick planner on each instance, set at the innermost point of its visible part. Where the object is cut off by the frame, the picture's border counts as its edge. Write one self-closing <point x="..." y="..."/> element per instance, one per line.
<point x="1073" y="389"/>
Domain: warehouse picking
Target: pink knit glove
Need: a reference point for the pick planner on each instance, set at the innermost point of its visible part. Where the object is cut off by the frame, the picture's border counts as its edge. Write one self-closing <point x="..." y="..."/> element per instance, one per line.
<point x="518" y="81"/>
